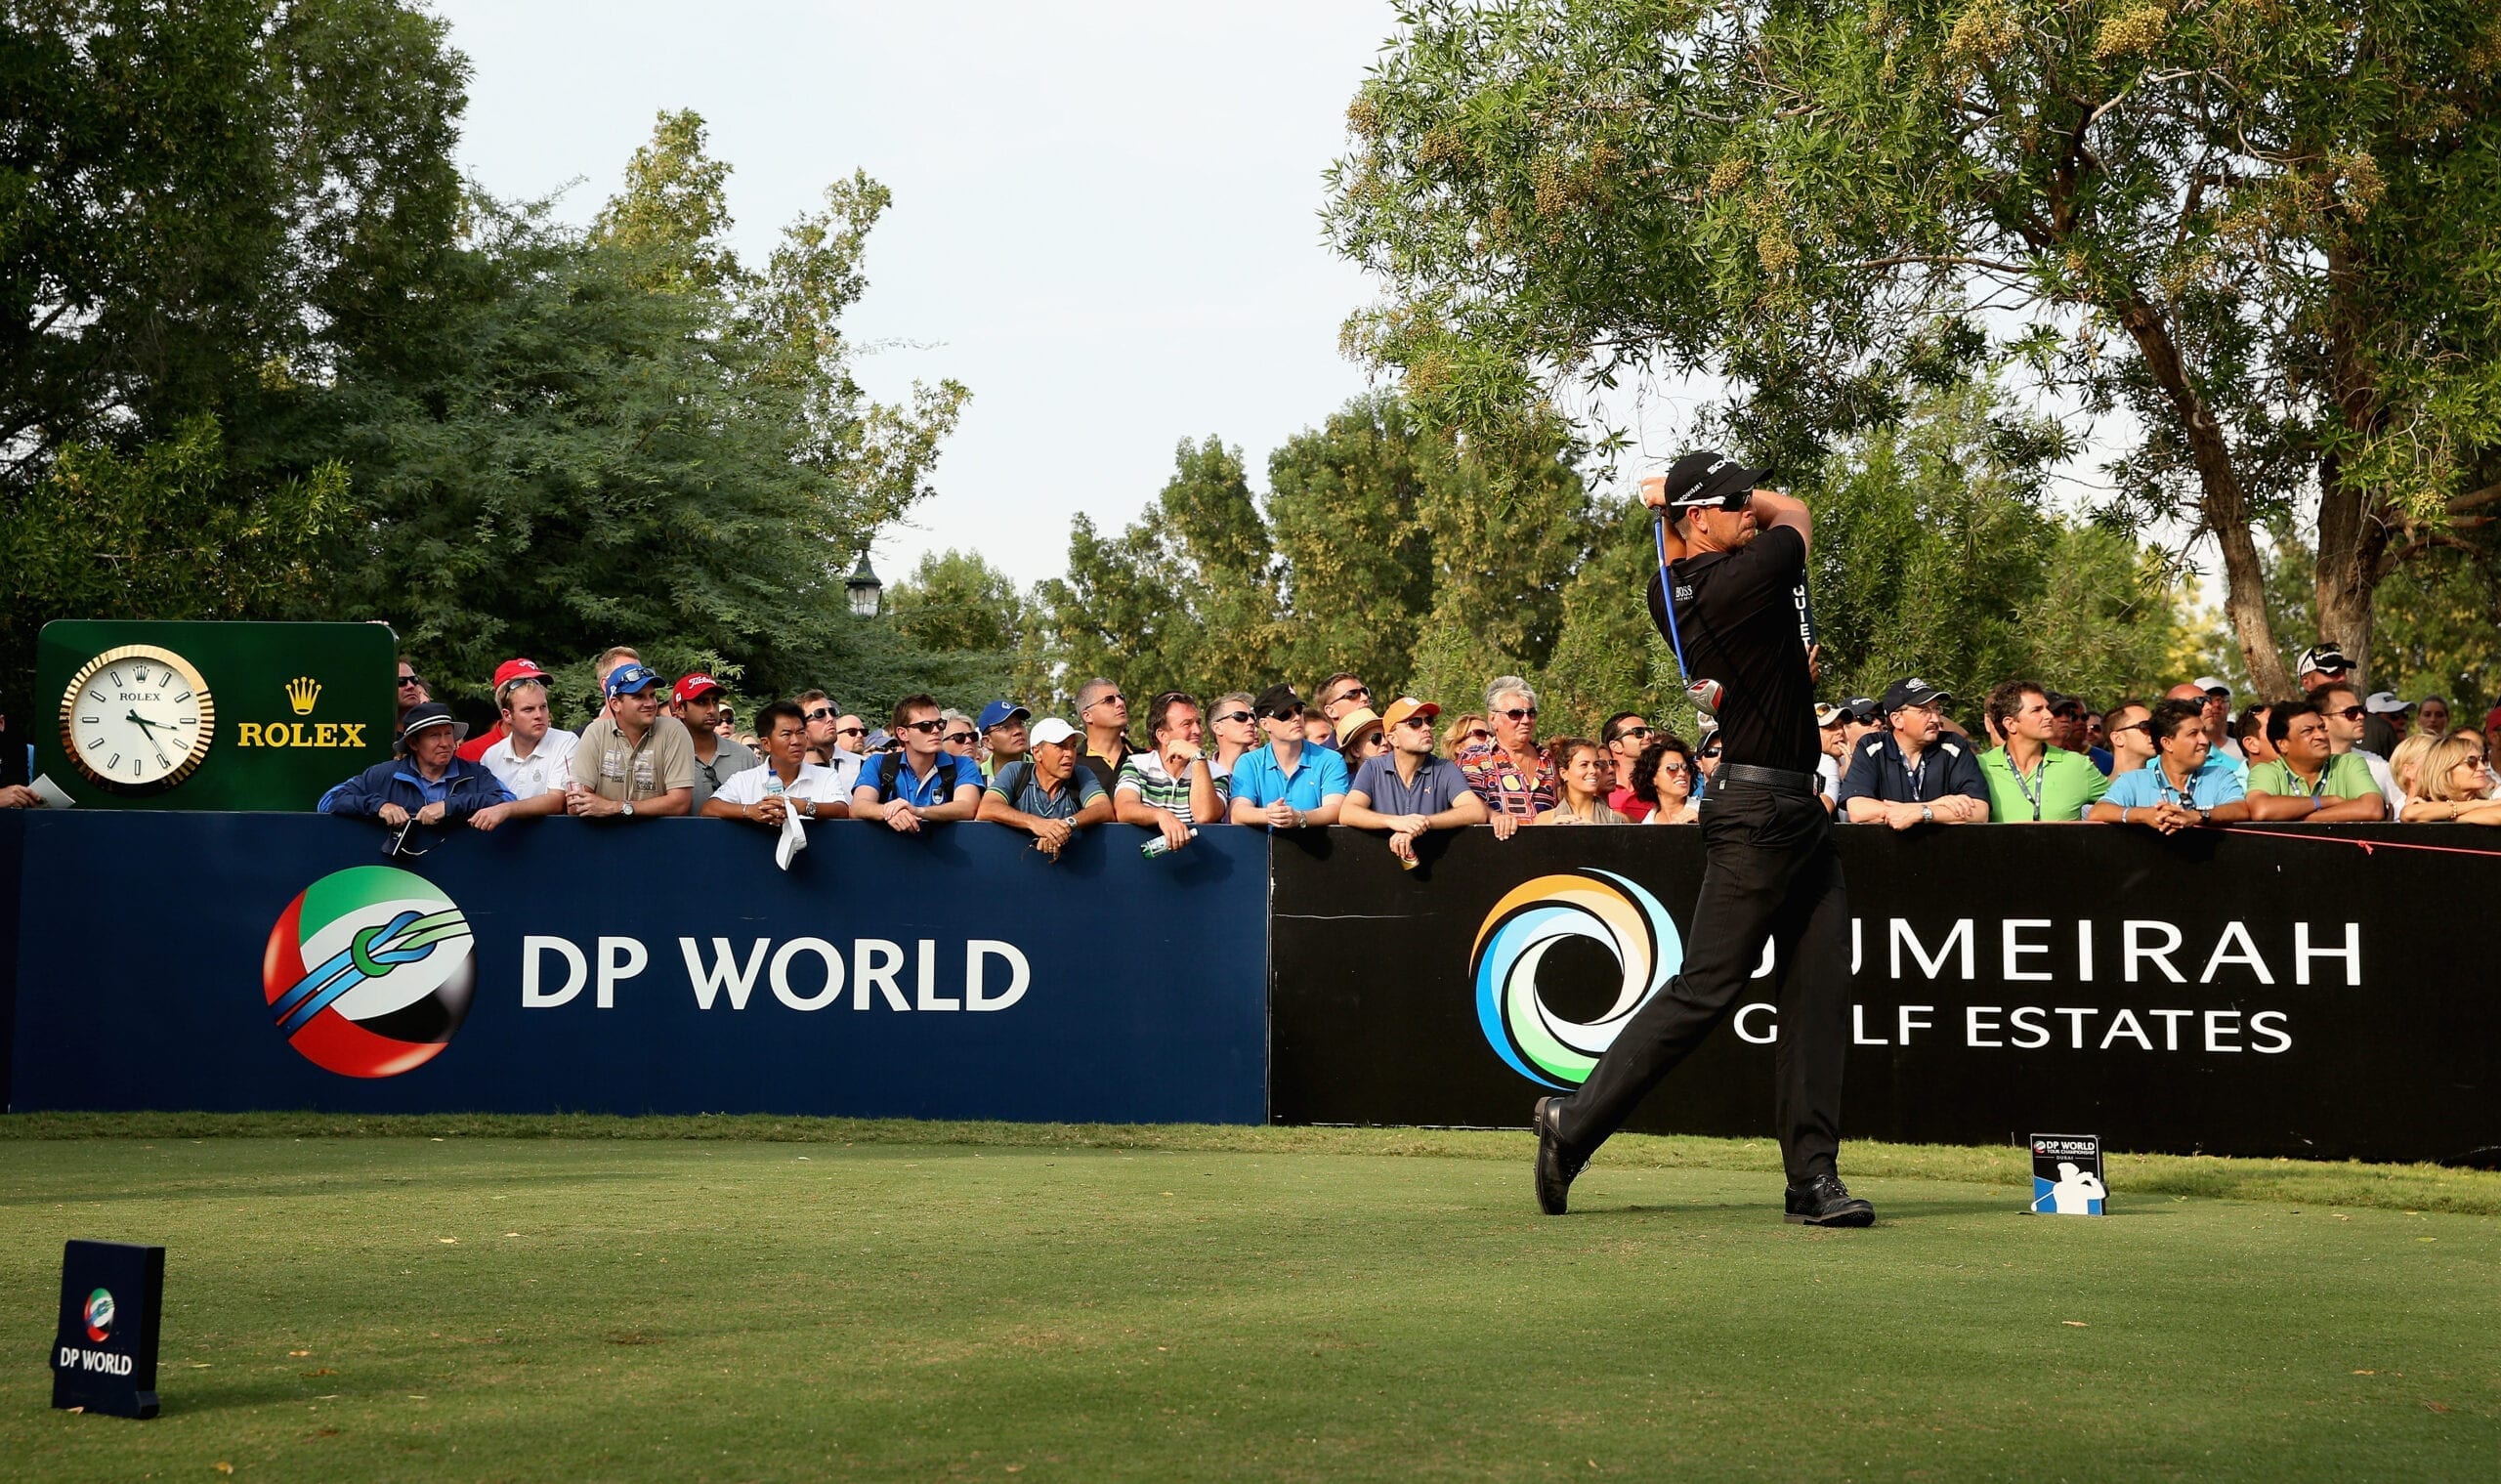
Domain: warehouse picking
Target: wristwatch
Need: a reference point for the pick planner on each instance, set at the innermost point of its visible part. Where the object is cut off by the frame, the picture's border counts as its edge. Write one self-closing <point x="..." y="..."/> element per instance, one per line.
<point x="1927" y="815"/>
<point x="629" y="809"/>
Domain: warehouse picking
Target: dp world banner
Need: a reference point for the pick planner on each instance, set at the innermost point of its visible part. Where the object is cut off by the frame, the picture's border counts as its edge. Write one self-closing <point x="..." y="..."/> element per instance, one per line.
<point x="258" y="961"/>
<point x="2276" y="993"/>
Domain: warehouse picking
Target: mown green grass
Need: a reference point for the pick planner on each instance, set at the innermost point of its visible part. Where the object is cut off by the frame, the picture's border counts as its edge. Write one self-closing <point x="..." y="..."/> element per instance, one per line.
<point x="801" y="1300"/>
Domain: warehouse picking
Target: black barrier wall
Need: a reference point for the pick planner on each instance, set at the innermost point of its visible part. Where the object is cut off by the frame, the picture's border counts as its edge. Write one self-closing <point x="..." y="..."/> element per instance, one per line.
<point x="2226" y="994"/>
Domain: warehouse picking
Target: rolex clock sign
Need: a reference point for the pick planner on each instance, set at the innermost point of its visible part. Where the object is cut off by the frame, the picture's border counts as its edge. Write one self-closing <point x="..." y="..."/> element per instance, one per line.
<point x="217" y="716"/>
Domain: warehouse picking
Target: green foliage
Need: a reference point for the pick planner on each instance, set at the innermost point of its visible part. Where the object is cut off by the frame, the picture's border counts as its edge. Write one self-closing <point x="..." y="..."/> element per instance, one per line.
<point x="147" y="536"/>
<point x="2264" y="228"/>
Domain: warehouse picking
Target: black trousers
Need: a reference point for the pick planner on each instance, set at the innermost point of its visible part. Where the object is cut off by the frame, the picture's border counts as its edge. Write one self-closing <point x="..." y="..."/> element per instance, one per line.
<point x="1769" y="873"/>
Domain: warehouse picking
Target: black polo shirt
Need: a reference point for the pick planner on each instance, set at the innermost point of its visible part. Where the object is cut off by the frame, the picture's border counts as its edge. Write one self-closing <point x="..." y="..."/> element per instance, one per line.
<point x="1738" y="611"/>
<point x="1948" y="766"/>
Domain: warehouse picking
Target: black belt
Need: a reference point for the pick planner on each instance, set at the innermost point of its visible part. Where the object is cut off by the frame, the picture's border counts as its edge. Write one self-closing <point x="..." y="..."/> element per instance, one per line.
<point x="1781" y="779"/>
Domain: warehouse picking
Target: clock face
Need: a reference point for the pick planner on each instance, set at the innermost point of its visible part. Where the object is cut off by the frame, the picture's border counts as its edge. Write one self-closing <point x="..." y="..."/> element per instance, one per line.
<point x="138" y="719"/>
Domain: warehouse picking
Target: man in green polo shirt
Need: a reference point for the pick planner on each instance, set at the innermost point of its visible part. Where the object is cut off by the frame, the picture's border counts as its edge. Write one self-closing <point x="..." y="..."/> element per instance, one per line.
<point x="2307" y="779"/>
<point x="2030" y="781"/>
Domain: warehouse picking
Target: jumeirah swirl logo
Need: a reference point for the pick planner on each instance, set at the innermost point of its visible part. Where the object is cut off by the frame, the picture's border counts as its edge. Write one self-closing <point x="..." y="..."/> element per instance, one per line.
<point x="368" y="971"/>
<point x="1524" y="926"/>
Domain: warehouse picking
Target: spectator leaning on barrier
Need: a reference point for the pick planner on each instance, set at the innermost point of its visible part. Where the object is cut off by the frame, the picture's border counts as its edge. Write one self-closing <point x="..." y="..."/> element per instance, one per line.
<point x="1581" y="770"/>
<point x="923" y="782"/>
<point x="2342" y="705"/>
<point x="1289" y="782"/>
<point x="1047" y="793"/>
<point x="1104" y="712"/>
<point x="786" y="780"/>
<point x="2431" y="716"/>
<point x="604" y="666"/>
<point x="1233" y="720"/>
<point x="425" y="782"/>
<point x="2453" y="783"/>
<point x="533" y="759"/>
<point x="2185" y="787"/>
<point x="695" y="701"/>
<point x="1168" y="786"/>
<point x="1623" y="736"/>
<point x="1906" y="776"/>
<point x="633" y="760"/>
<point x="2031" y="781"/>
<point x="1516" y="779"/>
<point x="2309" y="780"/>
<point x="1003" y="735"/>
<point x="2129" y="726"/>
<point x="1408" y="790"/>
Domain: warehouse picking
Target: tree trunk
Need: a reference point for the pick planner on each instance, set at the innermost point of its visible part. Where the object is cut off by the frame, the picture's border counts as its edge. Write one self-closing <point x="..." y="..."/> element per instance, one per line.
<point x="2353" y="531"/>
<point x="2220" y="501"/>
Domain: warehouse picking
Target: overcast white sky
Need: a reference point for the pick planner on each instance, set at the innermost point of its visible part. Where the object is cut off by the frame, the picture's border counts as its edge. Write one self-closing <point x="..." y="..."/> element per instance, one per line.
<point x="1105" y="219"/>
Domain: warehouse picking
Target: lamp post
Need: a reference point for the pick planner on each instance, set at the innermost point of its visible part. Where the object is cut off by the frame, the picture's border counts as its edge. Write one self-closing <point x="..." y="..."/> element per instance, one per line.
<point x="866" y="593"/>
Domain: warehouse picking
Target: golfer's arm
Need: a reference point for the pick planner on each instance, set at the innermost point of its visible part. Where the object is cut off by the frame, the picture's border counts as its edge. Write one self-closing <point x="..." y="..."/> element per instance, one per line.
<point x="1772" y="509"/>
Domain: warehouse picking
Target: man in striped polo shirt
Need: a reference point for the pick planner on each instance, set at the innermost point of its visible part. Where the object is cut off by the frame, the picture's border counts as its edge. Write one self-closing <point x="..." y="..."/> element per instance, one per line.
<point x="1168" y="786"/>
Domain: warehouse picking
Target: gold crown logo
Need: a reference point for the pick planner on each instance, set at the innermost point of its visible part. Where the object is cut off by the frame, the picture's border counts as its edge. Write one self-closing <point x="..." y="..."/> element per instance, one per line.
<point x="301" y="693"/>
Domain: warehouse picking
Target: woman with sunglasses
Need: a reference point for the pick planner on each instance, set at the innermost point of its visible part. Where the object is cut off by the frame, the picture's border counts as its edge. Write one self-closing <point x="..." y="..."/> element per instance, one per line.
<point x="1663" y="778"/>
<point x="1468" y="730"/>
<point x="959" y="736"/>
<point x="1581" y="772"/>
<point x="1360" y="737"/>
<point x="2453" y="784"/>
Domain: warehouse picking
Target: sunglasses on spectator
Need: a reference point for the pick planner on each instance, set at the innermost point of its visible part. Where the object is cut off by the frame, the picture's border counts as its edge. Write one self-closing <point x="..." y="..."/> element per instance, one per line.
<point x="1420" y="723"/>
<point x="2133" y="726"/>
<point x="1710" y="751"/>
<point x="1352" y="692"/>
<point x="1235" y="716"/>
<point x="1516" y="715"/>
<point x="2352" y="713"/>
<point x="1115" y="699"/>
<point x="1293" y="712"/>
<point x="822" y="713"/>
<point x="1677" y="769"/>
<point x="1641" y="732"/>
<point x="409" y="680"/>
<point x="1480" y="735"/>
<point x="962" y="737"/>
<point x="933" y="723"/>
<point x="851" y="730"/>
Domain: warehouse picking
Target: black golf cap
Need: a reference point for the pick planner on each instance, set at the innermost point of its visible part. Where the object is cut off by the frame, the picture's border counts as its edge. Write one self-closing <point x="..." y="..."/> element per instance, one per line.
<point x="1705" y="477"/>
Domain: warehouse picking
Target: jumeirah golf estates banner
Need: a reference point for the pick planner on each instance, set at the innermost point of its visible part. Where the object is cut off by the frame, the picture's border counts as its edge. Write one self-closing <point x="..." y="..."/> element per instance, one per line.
<point x="2276" y="993"/>
<point x="267" y="961"/>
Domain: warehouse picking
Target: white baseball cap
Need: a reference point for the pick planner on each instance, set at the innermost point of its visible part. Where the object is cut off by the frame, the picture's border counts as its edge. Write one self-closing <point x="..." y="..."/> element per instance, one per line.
<point x="2209" y="683"/>
<point x="1050" y="728"/>
<point x="2386" y="703"/>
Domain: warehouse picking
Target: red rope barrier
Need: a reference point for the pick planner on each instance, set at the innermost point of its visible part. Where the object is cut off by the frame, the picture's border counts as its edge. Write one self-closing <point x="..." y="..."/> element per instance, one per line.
<point x="2365" y="846"/>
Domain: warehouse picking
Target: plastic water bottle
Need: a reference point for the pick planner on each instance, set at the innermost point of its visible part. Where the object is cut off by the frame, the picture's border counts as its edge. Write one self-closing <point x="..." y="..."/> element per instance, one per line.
<point x="1157" y="846"/>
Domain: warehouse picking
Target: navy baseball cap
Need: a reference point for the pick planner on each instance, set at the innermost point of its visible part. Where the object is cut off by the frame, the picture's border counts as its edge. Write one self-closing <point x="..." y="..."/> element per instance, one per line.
<point x="1707" y="478"/>
<point x="626" y="679"/>
<point x="1912" y="692"/>
<point x="999" y="711"/>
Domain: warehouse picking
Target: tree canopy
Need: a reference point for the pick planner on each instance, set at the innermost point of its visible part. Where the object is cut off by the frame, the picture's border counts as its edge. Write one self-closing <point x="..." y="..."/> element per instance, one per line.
<point x="2261" y="229"/>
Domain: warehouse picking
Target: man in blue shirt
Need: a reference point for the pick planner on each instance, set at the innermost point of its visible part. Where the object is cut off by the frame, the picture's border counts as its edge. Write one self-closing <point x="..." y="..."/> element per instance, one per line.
<point x="1288" y="784"/>
<point x="2185" y="785"/>
<point x="1047" y="793"/>
<point x="921" y="785"/>
<point x="1406" y="790"/>
<point x="1908" y="776"/>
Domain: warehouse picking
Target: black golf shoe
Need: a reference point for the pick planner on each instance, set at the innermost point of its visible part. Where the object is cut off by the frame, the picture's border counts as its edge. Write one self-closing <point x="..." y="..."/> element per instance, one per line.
<point x="1555" y="1165"/>
<point x="1821" y="1202"/>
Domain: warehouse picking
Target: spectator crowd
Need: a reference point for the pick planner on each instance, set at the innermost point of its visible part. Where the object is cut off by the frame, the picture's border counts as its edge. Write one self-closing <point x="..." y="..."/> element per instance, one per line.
<point x="2187" y="759"/>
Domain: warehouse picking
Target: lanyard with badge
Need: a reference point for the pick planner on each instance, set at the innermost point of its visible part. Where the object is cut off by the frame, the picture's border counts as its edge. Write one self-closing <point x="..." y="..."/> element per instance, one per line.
<point x="2034" y="790"/>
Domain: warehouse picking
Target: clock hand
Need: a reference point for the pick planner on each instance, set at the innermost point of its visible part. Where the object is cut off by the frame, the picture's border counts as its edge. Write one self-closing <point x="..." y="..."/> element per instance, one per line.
<point x="152" y="726"/>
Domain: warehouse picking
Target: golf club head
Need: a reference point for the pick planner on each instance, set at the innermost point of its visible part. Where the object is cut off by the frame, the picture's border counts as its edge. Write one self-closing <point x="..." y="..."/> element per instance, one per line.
<point x="1705" y="695"/>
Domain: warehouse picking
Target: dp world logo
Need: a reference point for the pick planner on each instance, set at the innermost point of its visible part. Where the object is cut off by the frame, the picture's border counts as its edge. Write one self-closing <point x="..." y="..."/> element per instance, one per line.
<point x="1628" y="921"/>
<point x="368" y="971"/>
<point x="98" y="1315"/>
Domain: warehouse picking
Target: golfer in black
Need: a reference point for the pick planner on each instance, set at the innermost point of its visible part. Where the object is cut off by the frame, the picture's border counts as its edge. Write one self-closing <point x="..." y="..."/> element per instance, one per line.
<point x="1738" y="555"/>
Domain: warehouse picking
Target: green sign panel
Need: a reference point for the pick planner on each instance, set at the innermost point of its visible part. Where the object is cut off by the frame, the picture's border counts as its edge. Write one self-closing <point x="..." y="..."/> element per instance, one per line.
<point x="133" y="714"/>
